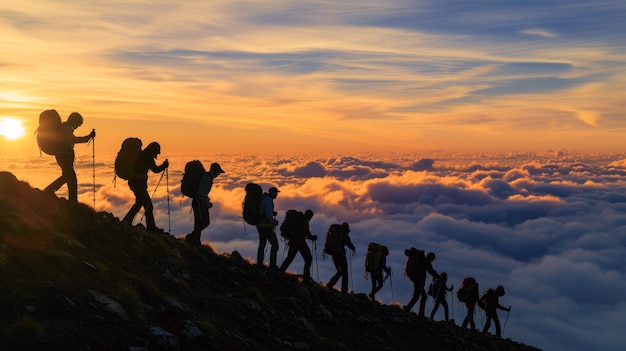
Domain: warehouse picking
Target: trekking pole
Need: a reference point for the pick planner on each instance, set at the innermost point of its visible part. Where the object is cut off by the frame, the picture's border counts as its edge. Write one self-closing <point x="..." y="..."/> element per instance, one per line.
<point x="93" y="167"/>
<point x="393" y="299"/>
<point x="351" y="280"/>
<point x="508" y="313"/>
<point x="317" y="270"/>
<point x="167" y="189"/>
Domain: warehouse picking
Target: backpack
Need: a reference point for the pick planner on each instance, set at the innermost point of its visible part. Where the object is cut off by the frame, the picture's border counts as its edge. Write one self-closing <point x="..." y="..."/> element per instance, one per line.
<point x="48" y="132"/>
<point x="415" y="257"/>
<point x="292" y="226"/>
<point x="435" y="287"/>
<point x="482" y="302"/>
<point x="194" y="170"/>
<point x="468" y="291"/>
<point x="333" y="244"/>
<point x="253" y="204"/>
<point x="127" y="158"/>
<point x="373" y="257"/>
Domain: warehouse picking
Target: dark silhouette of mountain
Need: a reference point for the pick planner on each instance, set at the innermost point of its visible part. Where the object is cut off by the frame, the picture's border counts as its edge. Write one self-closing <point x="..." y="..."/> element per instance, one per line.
<point x="74" y="279"/>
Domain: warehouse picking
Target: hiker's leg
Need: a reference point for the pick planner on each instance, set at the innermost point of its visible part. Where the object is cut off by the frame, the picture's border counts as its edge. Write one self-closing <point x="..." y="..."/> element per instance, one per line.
<point x="134" y="209"/>
<point x="291" y="254"/>
<point x="260" y="255"/>
<point x="344" y="273"/>
<point x="470" y="314"/>
<point x="308" y="260"/>
<point x="273" y="248"/>
<point x="335" y="278"/>
<point x="496" y="322"/>
<point x="432" y="313"/>
<point x="423" y="298"/>
<point x="444" y="303"/>
<point x="487" y="325"/>
<point x="66" y="161"/>
<point x="414" y="298"/>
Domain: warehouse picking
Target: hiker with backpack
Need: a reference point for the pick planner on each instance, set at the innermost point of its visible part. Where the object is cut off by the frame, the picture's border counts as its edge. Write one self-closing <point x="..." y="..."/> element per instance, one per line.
<point x="139" y="185"/>
<point x="337" y="238"/>
<point x="56" y="138"/>
<point x="416" y="267"/>
<point x="200" y="184"/>
<point x="375" y="264"/>
<point x="468" y="294"/>
<point x="295" y="229"/>
<point x="266" y="228"/>
<point x="438" y="291"/>
<point x="490" y="303"/>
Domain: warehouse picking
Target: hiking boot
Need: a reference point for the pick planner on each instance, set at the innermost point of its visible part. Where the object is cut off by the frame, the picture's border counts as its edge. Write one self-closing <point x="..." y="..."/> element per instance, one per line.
<point x="155" y="230"/>
<point x="372" y="296"/>
<point x="193" y="239"/>
<point x="330" y="287"/>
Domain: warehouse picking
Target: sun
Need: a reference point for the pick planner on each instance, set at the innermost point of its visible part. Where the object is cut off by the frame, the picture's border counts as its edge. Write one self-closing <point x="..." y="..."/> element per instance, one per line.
<point x="11" y="128"/>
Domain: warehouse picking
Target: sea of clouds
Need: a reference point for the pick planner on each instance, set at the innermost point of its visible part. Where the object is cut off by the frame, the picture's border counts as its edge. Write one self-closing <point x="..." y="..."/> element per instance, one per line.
<point x="550" y="227"/>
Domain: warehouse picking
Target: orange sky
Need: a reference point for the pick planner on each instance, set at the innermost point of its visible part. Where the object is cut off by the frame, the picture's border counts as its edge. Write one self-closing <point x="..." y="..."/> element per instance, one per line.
<point x="278" y="77"/>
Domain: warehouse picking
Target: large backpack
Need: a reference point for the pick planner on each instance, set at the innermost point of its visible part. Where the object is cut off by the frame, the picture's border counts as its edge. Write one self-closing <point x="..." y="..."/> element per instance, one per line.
<point x="48" y="132"/>
<point x="415" y="257"/>
<point x="253" y="204"/>
<point x="127" y="159"/>
<point x="194" y="170"/>
<point x="468" y="291"/>
<point x="333" y="244"/>
<point x="293" y="225"/>
<point x="373" y="257"/>
<point x="482" y="302"/>
<point x="435" y="287"/>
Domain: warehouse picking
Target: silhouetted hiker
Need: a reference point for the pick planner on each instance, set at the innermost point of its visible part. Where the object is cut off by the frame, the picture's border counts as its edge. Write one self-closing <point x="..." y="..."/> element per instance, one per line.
<point x="145" y="162"/>
<point x="266" y="228"/>
<point x="490" y="302"/>
<point x="439" y="294"/>
<point x="337" y="239"/>
<point x="300" y="231"/>
<point x="201" y="203"/>
<point x="468" y="294"/>
<point x="375" y="264"/>
<point x="65" y="156"/>
<point x="417" y="266"/>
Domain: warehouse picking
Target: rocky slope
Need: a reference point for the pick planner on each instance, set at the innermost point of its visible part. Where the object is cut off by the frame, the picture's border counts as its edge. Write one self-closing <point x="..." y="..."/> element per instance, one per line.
<point x="74" y="279"/>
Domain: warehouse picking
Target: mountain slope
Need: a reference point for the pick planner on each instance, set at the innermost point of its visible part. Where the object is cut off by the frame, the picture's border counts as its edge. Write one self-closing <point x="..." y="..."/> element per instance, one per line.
<point x="74" y="279"/>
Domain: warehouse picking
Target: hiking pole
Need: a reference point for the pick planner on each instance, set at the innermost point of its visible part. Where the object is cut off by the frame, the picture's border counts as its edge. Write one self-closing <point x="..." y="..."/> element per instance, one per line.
<point x="393" y="299"/>
<point x="317" y="270"/>
<point x="508" y="313"/>
<point x="93" y="166"/>
<point x="167" y="189"/>
<point x="351" y="280"/>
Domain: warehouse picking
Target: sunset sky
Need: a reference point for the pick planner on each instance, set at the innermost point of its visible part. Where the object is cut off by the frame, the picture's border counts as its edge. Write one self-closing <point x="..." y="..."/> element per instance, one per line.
<point x="321" y="75"/>
<point x="489" y="132"/>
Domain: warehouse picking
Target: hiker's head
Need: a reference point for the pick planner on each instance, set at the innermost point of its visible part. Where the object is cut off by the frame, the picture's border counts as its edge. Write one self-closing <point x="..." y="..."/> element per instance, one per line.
<point x="385" y="251"/>
<point x="500" y="290"/>
<point x="346" y="227"/>
<point x="308" y="214"/>
<point x="431" y="256"/>
<point x="444" y="276"/>
<point x="75" y="120"/>
<point x="153" y="149"/>
<point x="273" y="192"/>
<point x="216" y="169"/>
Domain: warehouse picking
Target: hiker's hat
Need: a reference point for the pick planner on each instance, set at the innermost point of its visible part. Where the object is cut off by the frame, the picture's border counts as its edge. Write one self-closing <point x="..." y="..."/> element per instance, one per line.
<point x="274" y="189"/>
<point x="215" y="167"/>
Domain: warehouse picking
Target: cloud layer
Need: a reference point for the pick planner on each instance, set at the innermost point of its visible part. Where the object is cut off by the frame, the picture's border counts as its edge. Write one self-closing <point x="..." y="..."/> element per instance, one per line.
<point x="549" y="227"/>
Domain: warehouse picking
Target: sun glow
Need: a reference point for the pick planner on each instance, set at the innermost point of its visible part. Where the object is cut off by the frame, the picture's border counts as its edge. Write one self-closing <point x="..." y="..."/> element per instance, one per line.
<point x="11" y="128"/>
